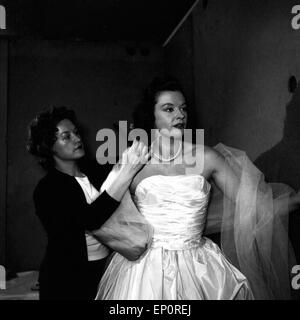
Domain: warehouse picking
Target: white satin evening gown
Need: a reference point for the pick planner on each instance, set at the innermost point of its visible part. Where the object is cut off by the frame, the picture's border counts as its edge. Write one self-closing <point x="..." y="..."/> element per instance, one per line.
<point x="180" y="264"/>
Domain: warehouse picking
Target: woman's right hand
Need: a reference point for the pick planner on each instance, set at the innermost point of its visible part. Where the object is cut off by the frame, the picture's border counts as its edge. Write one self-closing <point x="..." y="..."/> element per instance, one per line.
<point x="132" y="160"/>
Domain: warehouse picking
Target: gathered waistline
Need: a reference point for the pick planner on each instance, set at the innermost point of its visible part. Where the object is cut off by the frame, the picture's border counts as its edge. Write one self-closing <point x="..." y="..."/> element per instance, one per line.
<point x="177" y="244"/>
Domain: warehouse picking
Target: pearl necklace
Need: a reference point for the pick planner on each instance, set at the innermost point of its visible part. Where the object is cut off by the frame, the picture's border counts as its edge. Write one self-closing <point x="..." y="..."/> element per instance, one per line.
<point x="161" y="158"/>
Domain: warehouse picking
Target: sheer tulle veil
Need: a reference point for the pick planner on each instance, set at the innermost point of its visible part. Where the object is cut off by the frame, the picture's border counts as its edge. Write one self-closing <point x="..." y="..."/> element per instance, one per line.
<point x="126" y="231"/>
<point x="254" y="228"/>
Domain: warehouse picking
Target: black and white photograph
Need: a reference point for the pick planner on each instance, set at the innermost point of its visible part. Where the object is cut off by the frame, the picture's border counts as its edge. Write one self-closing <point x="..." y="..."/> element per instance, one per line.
<point x="150" y="151"/>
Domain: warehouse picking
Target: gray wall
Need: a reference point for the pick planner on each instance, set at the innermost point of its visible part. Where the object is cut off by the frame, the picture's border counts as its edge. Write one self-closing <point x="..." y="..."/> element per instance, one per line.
<point x="179" y="62"/>
<point x="243" y="55"/>
<point x="101" y="81"/>
<point x="3" y="153"/>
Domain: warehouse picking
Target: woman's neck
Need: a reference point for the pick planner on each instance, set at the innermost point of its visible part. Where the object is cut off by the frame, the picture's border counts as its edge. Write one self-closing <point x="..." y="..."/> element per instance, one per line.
<point x="69" y="167"/>
<point x="166" y="147"/>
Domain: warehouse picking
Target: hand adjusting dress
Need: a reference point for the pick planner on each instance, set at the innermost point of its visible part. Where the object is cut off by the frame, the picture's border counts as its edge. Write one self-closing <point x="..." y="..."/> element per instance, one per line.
<point x="180" y="263"/>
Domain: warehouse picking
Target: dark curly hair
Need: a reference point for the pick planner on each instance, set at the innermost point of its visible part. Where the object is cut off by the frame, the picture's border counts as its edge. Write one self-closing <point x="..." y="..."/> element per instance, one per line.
<point x="42" y="133"/>
<point x="143" y="114"/>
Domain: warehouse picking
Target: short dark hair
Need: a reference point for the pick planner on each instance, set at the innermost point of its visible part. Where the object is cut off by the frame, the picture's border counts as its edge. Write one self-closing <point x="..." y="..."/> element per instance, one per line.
<point x="143" y="114"/>
<point x="42" y="133"/>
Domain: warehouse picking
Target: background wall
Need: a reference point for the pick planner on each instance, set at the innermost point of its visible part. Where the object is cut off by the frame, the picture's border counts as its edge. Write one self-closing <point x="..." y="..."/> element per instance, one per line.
<point x="3" y="145"/>
<point x="241" y="56"/>
<point x="101" y="81"/>
<point x="244" y="53"/>
<point x="179" y="62"/>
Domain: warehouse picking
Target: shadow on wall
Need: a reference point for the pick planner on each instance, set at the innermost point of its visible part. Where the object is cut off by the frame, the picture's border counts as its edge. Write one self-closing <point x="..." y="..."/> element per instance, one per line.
<point x="282" y="162"/>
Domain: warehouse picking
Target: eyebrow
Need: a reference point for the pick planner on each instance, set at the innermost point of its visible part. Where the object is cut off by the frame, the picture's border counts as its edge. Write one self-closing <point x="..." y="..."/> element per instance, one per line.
<point x="171" y="104"/>
<point x="68" y="131"/>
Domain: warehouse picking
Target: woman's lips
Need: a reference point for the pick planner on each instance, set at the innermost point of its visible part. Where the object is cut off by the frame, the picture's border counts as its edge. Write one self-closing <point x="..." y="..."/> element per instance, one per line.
<point x="80" y="147"/>
<point x="179" y="126"/>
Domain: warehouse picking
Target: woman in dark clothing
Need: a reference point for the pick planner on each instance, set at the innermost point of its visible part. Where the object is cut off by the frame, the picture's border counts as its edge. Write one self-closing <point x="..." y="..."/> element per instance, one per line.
<point x="69" y="205"/>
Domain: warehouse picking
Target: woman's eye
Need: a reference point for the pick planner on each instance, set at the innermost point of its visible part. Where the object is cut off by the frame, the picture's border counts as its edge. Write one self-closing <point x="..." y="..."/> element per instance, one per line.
<point x="170" y="109"/>
<point x="66" y="137"/>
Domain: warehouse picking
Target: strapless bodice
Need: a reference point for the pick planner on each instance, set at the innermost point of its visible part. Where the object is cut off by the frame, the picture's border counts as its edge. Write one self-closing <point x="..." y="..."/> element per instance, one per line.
<point x="176" y="207"/>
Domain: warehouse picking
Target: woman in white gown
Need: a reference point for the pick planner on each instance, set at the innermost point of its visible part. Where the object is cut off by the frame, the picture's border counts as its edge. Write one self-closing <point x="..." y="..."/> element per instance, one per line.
<point x="180" y="262"/>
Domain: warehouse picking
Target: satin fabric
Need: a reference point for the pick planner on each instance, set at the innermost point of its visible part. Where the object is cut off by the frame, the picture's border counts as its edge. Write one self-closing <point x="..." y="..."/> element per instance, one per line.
<point x="180" y="263"/>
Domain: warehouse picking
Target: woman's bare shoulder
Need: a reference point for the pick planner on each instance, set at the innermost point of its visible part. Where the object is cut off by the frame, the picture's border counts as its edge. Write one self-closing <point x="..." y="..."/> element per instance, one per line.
<point x="213" y="159"/>
<point x="212" y="153"/>
<point x="208" y="152"/>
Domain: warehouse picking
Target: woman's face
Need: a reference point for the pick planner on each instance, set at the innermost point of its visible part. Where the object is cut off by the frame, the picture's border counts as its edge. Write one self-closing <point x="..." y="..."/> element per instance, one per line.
<point x="170" y="112"/>
<point x="68" y="145"/>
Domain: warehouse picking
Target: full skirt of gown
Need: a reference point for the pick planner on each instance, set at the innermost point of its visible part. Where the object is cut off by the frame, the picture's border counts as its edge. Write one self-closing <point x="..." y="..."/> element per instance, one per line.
<point x="180" y="264"/>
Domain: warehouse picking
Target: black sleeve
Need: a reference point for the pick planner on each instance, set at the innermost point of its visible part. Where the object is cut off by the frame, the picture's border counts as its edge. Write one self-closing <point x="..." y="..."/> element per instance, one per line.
<point x="105" y="205"/>
<point x="96" y="173"/>
<point x="62" y="206"/>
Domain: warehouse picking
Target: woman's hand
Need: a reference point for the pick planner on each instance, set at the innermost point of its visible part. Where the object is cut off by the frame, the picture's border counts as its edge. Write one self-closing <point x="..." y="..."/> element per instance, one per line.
<point x="132" y="160"/>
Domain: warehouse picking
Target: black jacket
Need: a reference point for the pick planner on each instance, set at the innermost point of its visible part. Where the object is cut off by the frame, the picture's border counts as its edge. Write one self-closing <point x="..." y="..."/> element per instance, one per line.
<point x="62" y="208"/>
